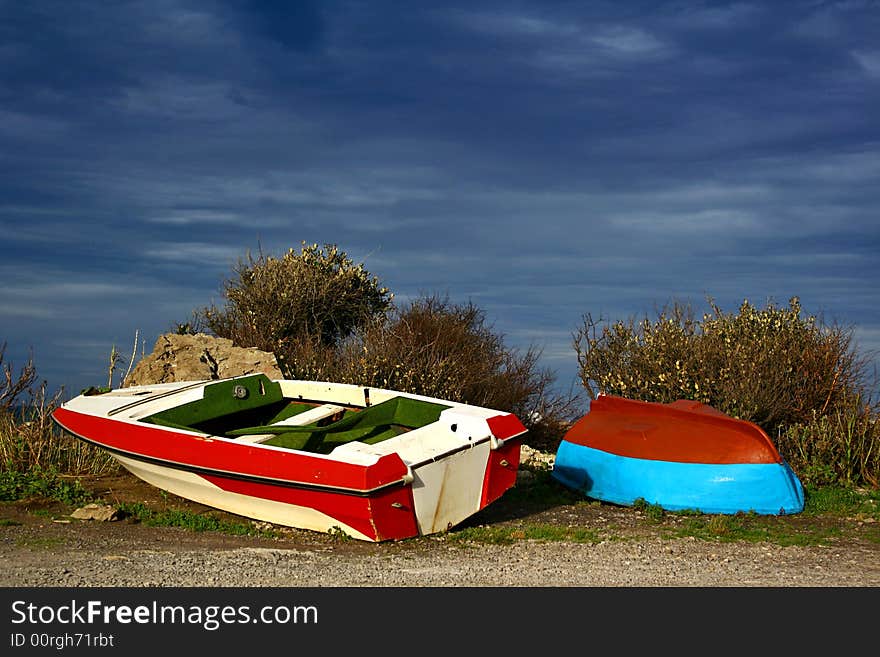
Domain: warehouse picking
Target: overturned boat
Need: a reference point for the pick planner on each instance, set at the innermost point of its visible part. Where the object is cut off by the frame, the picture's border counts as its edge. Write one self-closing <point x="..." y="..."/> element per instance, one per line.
<point x="375" y="464"/>
<point x="680" y="456"/>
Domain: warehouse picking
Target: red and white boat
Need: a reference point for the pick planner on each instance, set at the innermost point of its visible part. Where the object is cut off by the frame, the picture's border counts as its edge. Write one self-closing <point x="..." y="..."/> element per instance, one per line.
<point x="375" y="464"/>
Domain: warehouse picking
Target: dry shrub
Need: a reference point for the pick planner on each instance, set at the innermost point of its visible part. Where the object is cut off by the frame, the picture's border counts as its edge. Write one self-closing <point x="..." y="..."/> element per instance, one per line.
<point x="770" y="366"/>
<point x="317" y="295"/>
<point x="29" y="439"/>
<point x="309" y="359"/>
<point x="841" y="446"/>
<point x="13" y="386"/>
<point x="436" y="348"/>
<point x="326" y="318"/>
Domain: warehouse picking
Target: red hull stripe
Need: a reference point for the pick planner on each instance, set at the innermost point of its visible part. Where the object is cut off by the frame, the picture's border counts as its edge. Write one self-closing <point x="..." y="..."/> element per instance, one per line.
<point x="387" y="514"/>
<point x="230" y="458"/>
<point x="684" y="432"/>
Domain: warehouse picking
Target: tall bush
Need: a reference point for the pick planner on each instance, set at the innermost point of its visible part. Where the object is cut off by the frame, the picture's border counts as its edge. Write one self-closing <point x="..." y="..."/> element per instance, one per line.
<point x="772" y="366"/>
<point x="326" y="318"/>
<point x="437" y="348"/>
<point x="317" y="296"/>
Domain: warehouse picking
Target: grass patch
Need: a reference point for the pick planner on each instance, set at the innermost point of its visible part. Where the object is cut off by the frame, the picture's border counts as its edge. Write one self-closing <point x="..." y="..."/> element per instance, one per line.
<point x="830" y="514"/>
<point x="45" y="483"/>
<point x="40" y="542"/>
<point x="8" y="522"/>
<point x="754" y="529"/>
<point x="827" y="506"/>
<point x="653" y="512"/>
<point x="502" y="535"/>
<point x="842" y="501"/>
<point x="199" y="522"/>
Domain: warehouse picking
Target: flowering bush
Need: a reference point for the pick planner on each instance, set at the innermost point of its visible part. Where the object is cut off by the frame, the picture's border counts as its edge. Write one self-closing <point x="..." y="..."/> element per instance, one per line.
<point x="326" y="318"/>
<point x="317" y="297"/>
<point x="771" y="366"/>
<point x="440" y="349"/>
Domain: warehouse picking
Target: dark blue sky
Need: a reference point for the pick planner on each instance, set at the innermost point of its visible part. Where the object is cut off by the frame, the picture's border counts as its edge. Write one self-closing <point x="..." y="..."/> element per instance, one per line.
<point x="542" y="159"/>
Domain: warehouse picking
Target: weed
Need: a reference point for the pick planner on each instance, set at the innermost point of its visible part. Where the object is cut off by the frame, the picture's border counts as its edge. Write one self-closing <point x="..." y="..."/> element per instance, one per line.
<point x="505" y="535"/>
<point x="37" y="482"/>
<point x="842" y="502"/>
<point x="199" y="522"/>
<point x="29" y="439"/>
<point x="653" y="512"/>
<point x="338" y="534"/>
<point x="720" y="525"/>
<point x="40" y="542"/>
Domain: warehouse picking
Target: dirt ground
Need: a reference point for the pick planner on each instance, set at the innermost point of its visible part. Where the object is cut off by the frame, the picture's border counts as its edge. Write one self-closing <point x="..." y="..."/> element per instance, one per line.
<point x="40" y="545"/>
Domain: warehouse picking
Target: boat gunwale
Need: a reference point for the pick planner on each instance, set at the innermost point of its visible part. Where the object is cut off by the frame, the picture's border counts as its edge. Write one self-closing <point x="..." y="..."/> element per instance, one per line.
<point x="495" y="443"/>
<point x="197" y="469"/>
<point x="162" y="395"/>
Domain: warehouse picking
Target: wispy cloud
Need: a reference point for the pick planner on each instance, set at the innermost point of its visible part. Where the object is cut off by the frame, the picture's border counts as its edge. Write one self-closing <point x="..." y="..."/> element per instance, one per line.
<point x="194" y="253"/>
<point x="707" y="17"/>
<point x="869" y="61"/>
<point x="20" y="126"/>
<point x="196" y="217"/>
<point x="626" y="41"/>
<point x="701" y="223"/>
<point x="177" y="98"/>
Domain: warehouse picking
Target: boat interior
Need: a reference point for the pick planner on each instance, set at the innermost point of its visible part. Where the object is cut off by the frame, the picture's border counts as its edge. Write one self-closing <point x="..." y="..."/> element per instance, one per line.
<point x="253" y="409"/>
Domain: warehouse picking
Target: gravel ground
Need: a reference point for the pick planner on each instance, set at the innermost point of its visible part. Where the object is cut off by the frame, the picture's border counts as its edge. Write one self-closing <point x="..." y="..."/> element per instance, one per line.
<point x="41" y="546"/>
<point x="650" y="562"/>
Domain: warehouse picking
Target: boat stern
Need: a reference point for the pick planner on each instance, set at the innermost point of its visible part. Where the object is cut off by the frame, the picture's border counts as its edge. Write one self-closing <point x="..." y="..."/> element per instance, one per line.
<point x="483" y="466"/>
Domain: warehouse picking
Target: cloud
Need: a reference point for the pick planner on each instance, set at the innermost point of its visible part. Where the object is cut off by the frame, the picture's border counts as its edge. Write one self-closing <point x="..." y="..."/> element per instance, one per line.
<point x="567" y="44"/>
<point x="869" y="61"/>
<point x="170" y="97"/>
<point x="196" y="217"/>
<point x="194" y="253"/>
<point x="22" y="126"/>
<point x="625" y="41"/>
<point x="689" y="224"/>
<point x="543" y="159"/>
<point x="736" y="15"/>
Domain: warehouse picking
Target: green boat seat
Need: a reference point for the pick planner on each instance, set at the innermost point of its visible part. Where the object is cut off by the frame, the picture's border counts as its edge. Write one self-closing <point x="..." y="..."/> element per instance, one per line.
<point x="220" y="400"/>
<point x="373" y="424"/>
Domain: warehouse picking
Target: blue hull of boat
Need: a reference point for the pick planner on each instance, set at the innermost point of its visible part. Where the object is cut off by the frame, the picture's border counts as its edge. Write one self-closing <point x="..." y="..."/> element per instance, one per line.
<point x="762" y="488"/>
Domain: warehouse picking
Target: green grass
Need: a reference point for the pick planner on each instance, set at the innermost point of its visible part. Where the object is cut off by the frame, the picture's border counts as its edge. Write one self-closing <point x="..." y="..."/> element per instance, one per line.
<point x="654" y="512"/>
<point x="751" y="529"/>
<point x="540" y="490"/>
<point x="830" y="513"/>
<point x="40" y="542"/>
<point x="199" y="522"/>
<point x="45" y="483"/>
<point x="821" y="506"/>
<point x="842" y="501"/>
<point x="505" y="535"/>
